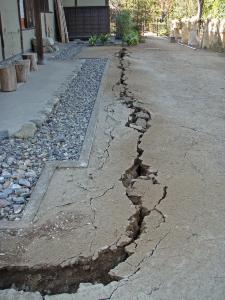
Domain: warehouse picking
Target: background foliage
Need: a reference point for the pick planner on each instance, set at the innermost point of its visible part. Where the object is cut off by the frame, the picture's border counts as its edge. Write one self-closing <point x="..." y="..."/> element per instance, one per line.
<point x="144" y="11"/>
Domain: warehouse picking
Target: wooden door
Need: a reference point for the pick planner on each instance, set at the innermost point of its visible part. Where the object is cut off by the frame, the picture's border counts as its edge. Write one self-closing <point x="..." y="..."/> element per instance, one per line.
<point x="82" y="22"/>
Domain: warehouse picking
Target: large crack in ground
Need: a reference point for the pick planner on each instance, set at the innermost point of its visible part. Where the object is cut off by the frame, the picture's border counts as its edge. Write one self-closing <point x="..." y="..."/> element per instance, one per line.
<point x="66" y="277"/>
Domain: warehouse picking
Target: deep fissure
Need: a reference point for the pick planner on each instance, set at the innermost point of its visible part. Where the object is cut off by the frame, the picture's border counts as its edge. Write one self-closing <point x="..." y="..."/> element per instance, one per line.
<point x="66" y="277"/>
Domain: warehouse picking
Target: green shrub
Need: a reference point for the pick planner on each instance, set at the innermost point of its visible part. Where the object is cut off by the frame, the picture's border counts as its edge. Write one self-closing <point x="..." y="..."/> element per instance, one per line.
<point x="103" y="38"/>
<point x="124" y="23"/>
<point x="93" y="40"/>
<point x="132" y="38"/>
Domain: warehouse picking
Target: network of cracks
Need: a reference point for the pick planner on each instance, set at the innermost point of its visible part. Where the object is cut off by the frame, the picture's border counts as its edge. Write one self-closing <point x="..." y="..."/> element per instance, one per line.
<point x="66" y="279"/>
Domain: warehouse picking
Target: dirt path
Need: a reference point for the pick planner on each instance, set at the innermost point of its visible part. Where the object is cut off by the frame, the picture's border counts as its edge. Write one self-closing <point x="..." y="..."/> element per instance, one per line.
<point x="151" y="202"/>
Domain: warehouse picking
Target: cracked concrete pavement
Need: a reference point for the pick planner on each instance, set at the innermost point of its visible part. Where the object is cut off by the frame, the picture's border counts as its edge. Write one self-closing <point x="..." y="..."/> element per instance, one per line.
<point x="149" y="209"/>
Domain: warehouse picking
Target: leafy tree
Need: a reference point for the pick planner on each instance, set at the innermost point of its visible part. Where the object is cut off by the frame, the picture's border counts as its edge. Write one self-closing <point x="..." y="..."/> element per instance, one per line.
<point x="214" y="8"/>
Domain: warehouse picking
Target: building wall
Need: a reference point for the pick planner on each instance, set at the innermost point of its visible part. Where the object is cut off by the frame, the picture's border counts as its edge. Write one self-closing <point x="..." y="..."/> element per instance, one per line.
<point x="90" y="2"/>
<point x="71" y="3"/>
<point x="28" y="35"/>
<point x="11" y="27"/>
<point x="1" y="58"/>
<point x="48" y="21"/>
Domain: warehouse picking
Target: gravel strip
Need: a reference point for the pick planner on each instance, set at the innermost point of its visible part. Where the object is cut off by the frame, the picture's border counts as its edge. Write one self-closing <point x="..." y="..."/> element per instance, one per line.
<point x="67" y="51"/>
<point x="60" y="138"/>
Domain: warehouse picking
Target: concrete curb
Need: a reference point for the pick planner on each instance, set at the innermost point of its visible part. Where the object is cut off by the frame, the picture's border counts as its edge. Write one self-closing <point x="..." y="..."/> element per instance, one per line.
<point x="89" y="138"/>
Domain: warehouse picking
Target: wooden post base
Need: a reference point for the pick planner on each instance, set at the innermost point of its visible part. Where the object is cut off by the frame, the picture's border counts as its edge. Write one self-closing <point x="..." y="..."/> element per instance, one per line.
<point x="22" y="70"/>
<point x="33" y="60"/>
<point x="8" y="78"/>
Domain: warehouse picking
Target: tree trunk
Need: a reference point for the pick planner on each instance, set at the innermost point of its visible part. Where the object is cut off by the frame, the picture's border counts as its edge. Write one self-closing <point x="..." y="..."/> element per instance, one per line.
<point x="22" y="70"/>
<point x="200" y="9"/>
<point x="8" y="78"/>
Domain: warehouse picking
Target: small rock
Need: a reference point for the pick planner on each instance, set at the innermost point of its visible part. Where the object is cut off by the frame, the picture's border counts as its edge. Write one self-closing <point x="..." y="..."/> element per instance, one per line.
<point x="142" y="115"/>
<point x="17" y="209"/>
<point x="2" y="179"/>
<point x="134" y="126"/>
<point x="141" y="122"/>
<point x="28" y="130"/>
<point x="25" y="195"/>
<point x="6" y="174"/>
<point x="21" y="191"/>
<point x="10" y="160"/>
<point x="133" y="195"/>
<point x="30" y="174"/>
<point x="27" y="163"/>
<point x="24" y="182"/>
<point x="5" y="165"/>
<point x="4" y="203"/>
<point x="15" y="186"/>
<point x="6" y="184"/>
<point x="61" y="139"/>
<point x="5" y="193"/>
<point x="11" y="217"/>
<point x="18" y="200"/>
<point x="2" y="157"/>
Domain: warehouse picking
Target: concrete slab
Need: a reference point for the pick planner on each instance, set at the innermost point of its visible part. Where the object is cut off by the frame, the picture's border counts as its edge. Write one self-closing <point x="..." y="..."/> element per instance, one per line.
<point x="72" y="229"/>
<point x="13" y="294"/>
<point x="34" y="99"/>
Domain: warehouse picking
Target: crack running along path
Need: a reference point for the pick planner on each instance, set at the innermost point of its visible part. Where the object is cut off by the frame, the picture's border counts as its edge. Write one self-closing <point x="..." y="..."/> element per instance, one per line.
<point x="183" y="89"/>
<point x="46" y="279"/>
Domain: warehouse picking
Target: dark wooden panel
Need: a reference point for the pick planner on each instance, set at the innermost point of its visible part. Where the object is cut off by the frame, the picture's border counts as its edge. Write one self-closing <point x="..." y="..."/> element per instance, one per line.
<point x="83" y="22"/>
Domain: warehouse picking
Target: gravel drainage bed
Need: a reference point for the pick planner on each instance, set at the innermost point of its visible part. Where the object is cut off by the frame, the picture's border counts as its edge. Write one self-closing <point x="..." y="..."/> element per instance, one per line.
<point x="60" y="138"/>
<point x="67" y="51"/>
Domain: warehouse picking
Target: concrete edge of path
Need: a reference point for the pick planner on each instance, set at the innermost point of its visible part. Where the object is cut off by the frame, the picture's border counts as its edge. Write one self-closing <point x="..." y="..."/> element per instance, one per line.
<point x="90" y="133"/>
<point x="43" y="182"/>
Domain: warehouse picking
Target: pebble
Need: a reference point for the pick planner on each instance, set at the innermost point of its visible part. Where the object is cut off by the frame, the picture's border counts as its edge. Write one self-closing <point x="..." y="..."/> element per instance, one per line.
<point x="4" y="203"/>
<point x="59" y="138"/>
<point x="142" y="115"/>
<point x="141" y="122"/>
<point x="138" y="128"/>
<point x="19" y="200"/>
<point x="6" y="174"/>
<point x="17" y="209"/>
<point x="24" y="182"/>
<point x="15" y="186"/>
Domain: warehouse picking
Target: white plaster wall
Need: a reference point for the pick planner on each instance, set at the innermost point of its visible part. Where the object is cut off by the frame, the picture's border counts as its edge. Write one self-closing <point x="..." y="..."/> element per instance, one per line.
<point x="90" y="2"/>
<point x="1" y="58"/>
<point x="68" y="3"/>
<point x="11" y="28"/>
<point x="28" y="35"/>
<point x="51" y="5"/>
<point x="71" y="3"/>
<point x="48" y="25"/>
